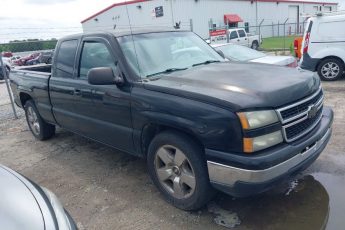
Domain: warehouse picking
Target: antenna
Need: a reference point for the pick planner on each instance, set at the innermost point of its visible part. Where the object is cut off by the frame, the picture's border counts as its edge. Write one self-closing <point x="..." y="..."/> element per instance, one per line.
<point x="130" y="27"/>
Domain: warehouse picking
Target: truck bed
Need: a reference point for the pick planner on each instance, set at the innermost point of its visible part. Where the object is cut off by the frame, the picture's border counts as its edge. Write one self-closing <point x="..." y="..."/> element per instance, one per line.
<point x="35" y="68"/>
<point x="35" y="81"/>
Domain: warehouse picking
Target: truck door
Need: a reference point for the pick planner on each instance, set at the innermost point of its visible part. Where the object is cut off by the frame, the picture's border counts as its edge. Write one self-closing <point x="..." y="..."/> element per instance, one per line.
<point x="64" y="87"/>
<point x="108" y="117"/>
<point x="234" y="37"/>
<point x="243" y="37"/>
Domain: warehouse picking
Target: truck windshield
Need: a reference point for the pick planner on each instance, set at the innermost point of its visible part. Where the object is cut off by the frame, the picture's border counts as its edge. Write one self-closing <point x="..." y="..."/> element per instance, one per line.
<point x="164" y="52"/>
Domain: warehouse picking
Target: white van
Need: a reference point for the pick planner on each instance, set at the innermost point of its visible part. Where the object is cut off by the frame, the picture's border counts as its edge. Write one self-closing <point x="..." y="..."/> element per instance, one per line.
<point x="323" y="45"/>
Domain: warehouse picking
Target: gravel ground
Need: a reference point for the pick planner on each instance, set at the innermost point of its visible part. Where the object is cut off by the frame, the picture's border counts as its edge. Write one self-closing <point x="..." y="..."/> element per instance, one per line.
<point x="103" y="188"/>
<point x="6" y="111"/>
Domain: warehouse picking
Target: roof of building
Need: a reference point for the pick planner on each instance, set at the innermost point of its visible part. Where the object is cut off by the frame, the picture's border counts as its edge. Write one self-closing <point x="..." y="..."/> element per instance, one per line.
<point x="140" y="1"/>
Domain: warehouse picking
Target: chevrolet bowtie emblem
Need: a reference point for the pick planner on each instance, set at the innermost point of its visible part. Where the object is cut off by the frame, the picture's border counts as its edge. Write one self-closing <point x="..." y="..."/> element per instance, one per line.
<point x="312" y="111"/>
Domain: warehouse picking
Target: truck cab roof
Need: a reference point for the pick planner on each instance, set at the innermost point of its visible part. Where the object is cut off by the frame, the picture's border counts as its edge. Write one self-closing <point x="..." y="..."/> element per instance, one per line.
<point x="121" y="33"/>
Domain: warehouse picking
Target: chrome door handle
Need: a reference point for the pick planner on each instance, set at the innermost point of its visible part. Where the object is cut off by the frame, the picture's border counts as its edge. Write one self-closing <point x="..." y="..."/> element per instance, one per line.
<point x="77" y="92"/>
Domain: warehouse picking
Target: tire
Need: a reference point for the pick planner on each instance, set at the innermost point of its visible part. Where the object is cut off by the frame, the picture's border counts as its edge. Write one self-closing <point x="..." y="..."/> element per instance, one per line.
<point x="38" y="127"/>
<point x="172" y="147"/>
<point x="255" y="45"/>
<point x="330" y="69"/>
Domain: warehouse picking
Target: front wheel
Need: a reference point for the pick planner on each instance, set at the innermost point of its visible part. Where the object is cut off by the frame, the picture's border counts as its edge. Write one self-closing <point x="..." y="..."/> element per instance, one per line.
<point x="177" y="167"/>
<point x="330" y="69"/>
<point x="39" y="128"/>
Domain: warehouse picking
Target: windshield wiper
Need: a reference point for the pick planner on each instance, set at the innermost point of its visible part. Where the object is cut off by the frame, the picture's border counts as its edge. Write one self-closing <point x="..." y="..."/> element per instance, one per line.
<point x="170" y="70"/>
<point x="206" y="62"/>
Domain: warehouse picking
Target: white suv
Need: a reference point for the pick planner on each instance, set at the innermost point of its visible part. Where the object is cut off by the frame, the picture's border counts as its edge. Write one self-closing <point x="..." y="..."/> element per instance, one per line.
<point x="323" y="46"/>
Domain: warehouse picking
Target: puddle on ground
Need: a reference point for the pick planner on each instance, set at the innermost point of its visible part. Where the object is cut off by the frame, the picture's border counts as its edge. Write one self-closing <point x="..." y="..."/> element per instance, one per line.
<point x="315" y="201"/>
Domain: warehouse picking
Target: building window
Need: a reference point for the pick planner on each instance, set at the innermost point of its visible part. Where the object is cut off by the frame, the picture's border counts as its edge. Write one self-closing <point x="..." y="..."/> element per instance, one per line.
<point x="327" y="8"/>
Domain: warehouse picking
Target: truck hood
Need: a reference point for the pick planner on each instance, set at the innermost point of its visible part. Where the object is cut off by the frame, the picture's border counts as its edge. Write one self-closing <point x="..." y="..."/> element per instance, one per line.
<point x="238" y="86"/>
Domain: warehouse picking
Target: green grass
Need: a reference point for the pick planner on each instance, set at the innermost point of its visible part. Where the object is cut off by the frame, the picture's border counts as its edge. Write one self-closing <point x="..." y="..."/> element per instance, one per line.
<point x="274" y="43"/>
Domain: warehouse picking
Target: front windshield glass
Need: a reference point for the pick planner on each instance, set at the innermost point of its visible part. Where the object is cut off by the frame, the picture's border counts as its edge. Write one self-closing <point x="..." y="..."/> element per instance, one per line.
<point x="153" y="53"/>
<point x="240" y="53"/>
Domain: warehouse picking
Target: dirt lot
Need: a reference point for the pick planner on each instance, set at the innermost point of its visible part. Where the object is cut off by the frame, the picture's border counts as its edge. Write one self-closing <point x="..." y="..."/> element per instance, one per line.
<point x="106" y="189"/>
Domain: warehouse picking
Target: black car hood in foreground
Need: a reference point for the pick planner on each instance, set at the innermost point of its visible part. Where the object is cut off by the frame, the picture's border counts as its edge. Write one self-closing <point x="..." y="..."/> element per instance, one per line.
<point x="239" y="85"/>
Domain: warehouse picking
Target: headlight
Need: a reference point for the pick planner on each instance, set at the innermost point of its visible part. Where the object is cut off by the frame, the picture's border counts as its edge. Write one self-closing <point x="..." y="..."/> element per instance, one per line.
<point x="261" y="142"/>
<point x="257" y="119"/>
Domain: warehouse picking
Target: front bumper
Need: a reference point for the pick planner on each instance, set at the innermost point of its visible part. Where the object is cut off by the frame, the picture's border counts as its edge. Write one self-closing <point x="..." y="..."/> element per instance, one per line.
<point x="240" y="181"/>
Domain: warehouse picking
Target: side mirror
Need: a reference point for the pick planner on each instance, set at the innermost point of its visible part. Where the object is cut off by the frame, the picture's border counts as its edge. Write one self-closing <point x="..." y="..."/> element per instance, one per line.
<point x="101" y="76"/>
<point x="221" y="53"/>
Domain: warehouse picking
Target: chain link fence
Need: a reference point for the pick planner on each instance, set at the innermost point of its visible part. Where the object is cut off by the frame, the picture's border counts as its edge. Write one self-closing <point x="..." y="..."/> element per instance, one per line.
<point x="275" y="36"/>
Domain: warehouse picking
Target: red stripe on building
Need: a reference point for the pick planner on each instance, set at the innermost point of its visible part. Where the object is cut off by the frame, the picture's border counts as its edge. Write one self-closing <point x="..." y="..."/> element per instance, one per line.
<point x="114" y="5"/>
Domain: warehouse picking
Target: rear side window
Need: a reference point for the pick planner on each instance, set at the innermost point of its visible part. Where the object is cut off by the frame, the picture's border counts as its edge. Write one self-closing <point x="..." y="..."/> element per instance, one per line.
<point x="65" y="58"/>
<point x="242" y="33"/>
<point x="233" y="35"/>
<point x="95" y="54"/>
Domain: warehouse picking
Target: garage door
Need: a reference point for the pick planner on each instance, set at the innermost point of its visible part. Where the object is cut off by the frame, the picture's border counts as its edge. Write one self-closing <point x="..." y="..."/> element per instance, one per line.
<point x="294" y="19"/>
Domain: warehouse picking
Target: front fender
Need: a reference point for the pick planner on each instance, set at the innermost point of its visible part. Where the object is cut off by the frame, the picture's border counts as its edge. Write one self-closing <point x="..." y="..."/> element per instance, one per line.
<point x="216" y="128"/>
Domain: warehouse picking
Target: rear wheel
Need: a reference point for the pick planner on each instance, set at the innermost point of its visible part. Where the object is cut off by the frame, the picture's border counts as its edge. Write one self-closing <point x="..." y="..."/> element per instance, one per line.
<point x="39" y="128"/>
<point x="330" y="69"/>
<point x="178" y="168"/>
<point x="255" y="45"/>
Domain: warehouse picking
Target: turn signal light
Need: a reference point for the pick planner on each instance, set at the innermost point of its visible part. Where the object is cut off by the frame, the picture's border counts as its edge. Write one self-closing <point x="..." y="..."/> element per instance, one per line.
<point x="248" y="145"/>
<point x="244" y="120"/>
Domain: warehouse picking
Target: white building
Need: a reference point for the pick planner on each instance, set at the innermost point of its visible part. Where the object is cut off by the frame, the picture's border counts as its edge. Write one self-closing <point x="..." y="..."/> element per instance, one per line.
<point x="201" y="15"/>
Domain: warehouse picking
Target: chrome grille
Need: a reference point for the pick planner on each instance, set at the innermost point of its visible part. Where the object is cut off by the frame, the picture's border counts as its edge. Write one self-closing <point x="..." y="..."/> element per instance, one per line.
<point x="301" y="117"/>
<point x="293" y="111"/>
<point x="296" y="129"/>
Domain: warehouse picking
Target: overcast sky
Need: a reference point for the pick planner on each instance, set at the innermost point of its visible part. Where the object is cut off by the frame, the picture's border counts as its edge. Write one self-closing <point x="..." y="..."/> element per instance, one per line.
<point x="23" y="19"/>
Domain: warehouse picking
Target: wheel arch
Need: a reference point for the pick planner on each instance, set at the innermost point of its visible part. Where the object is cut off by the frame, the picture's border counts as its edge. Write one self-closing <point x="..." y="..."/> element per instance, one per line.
<point x="24" y="97"/>
<point x="153" y="129"/>
<point x="329" y="57"/>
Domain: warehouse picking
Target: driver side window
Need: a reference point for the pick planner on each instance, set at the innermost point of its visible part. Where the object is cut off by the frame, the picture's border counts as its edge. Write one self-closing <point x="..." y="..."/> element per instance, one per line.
<point x="233" y="35"/>
<point x="94" y="54"/>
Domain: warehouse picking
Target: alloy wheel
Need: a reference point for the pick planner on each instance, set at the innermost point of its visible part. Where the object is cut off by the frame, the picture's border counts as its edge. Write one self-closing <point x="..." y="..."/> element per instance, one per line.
<point x="174" y="171"/>
<point x="33" y="121"/>
<point x="330" y="70"/>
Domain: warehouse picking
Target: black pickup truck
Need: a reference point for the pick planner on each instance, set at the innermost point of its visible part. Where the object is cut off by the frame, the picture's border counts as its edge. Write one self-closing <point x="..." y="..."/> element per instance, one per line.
<point x="200" y="121"/>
